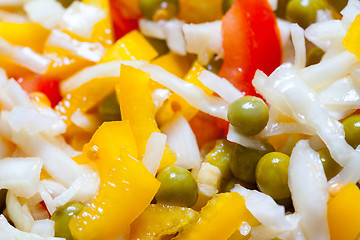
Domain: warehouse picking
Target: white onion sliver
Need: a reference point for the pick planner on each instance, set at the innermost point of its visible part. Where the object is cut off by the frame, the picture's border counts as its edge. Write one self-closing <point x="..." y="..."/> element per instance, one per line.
<point x="12" y="3"/>
<point x="24" y="56"/>
<point x="221" y="86"/>
<point x="154" y="151"/>
<point x="83" y="189"/>
<point x="48" y="13"/>
<point x="19" y="214"/>
<point x="159" y="96"/>
<point x="204" y="39"/>
<point x="208" y="179"/>
<point x="308" y="186"/>
<point x="9" y="232"/>
<point x="80" y="18"/>
<point x="44" y="228"/>
<point x="182" y="141"/>
<point x="298" y="38"/>
<point x="20" y="175"/>
<point x="12" y="17"/>
<point x="152" y="29"/>
<point x="110" y="69"/>
<point x="350" y="12"/>
<point x="250" y="142"/>
<point x="174" y="36"/>
<point x="324" y="73"/>
<point x="267" y="211"/>
<point x="12" y="94"/>
<point x="58" y="164"/>
<point x="88" y="50"/>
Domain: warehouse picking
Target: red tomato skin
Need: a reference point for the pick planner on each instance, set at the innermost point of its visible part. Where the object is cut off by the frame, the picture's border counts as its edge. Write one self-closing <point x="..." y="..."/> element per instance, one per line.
<point x="123" y="22"/>
<point x="251" y="41"/>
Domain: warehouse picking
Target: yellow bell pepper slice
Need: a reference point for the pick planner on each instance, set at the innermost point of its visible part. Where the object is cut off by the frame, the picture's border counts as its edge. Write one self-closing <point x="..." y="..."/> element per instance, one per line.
<point x="344" y="214"/>
<point x="137" y="107"/>
<point x="31" y="35"/>
<point x="103" y="30"/>
<point x="219" y="219"/>
<point x="199" y="11"/>
<point x="176" y="103"/>
<point x="352" y="38"/>
<point x="126" y="186"/>
<point x="174" y="63"/>
<point x="91" y="93"/>
<point x="160" y="220"/>
<point x="133" y="46"/>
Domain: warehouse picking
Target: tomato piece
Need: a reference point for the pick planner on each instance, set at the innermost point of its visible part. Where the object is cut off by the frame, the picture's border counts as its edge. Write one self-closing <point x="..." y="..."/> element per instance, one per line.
<point x="125" y="15"/>
<point x="48" y="86"/>
<point x="251" y="42"/>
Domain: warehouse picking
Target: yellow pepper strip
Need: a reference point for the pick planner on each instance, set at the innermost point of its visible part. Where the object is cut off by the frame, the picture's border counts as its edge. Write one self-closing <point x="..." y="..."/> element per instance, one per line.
<point x="126" y="186"/>
<point x="85" y="97"/>
<point x="344" y="214"/>
<point x="160" y="220"/>
<point x="176" y="103"/>
<point x="103" y="30"/>
<point x="133" y="46"/>
<point x="219" y="219"/>
<point x="352" y="38"/>
<point x="31" y="35"/>
<point x="198" y="11"/>
<point x="136" y="106"/>
<point x="64" y="64"/>
<point x="174" y="63"/>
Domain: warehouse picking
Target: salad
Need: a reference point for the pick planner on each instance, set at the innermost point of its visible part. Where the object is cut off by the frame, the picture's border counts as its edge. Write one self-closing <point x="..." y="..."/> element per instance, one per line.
<point x="179" y="119"/>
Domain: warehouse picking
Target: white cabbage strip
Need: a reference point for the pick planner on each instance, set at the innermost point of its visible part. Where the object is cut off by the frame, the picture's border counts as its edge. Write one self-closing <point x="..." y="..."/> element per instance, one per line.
<point x="221" y="86"/>
<point x="19" y="214"/>
<point x="10" y="233"/>
<point x="271" y="215"/>
<point x="44" y="228"/>
<point x="20" y="175"/>
<point x="154" y="151"/>
<point x="204" y="39"/>
<point x="171" y="31"/>
<point x="88" y="50"/>
<point x="182" y="141"/>
<point x="58" y="164"/>
<point x="250" y="142"/>
<point x="80" y="18"/>
<point x="285" y="90"/>
<point x="24" y="56"/>
<point x="47" y="13"/>
<point x="298" y="38"/>
<point x="308" y="186"/>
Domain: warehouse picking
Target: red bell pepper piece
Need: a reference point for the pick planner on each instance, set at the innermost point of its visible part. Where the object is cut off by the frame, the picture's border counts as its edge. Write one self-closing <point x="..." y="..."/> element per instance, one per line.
<point x="50" y="87"/>
<point x="124" y="19"/>
<point x="251" y="41"/>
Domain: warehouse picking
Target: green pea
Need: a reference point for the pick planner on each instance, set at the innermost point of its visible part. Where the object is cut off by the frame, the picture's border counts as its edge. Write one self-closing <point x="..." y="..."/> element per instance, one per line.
<point x="331" y="167"/>
<point x="249" y="115"/>
<point x="62" y="217"/>
<point x="352" y="130"/>
<point x="337" y="5"/>
<point x="109" y="109"/>
<point x="228" y="185"/>
<point x="227" y="5"/>
<point x="303" y="12"/>
<point x="281" y="8"/>
<point x="178" y="187"/>
<point x="220" y="156"/>
<point x="314" y="56"/>
<point x="272" y="175"/>
<point x="214" y="65"/>
<point x="159" y="9"/>
<point x="66" y="3"/>
<point x="159" y="45"/>
<point x="244" y="160"/>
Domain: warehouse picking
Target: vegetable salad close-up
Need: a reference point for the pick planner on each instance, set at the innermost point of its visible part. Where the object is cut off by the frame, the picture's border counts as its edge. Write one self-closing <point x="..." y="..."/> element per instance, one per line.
<point x="179" y="119"/>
